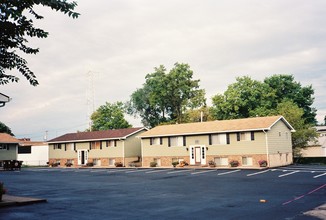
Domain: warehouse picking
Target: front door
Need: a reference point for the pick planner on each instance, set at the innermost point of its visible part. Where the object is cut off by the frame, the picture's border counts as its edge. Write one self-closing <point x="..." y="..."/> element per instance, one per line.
<point x="82" y="157"/>
<point x="197" y="155"/>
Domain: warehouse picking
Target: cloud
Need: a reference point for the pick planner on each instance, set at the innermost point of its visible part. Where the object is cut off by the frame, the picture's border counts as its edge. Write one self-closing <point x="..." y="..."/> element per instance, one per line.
<point x="122" y="41"/>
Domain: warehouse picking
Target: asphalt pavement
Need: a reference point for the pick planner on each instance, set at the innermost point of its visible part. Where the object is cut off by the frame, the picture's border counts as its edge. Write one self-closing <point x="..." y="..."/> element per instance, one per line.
<point x="137" y="193"/>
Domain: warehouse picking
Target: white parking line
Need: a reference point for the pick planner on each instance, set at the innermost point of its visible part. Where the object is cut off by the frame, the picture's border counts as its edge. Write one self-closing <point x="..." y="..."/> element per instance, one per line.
<point x="114" y="171"/>
<point x="289" y="173"/>
<point x="155" y="171"/>
<point x="320" y="175"/>
<point x="252" y="174"/>
<point x="135" y="171"/>
<point x="97" y="171"/>
<point x="178" y="171"/>
<point x="199" y="172"/>
<point x="233" y="171"/>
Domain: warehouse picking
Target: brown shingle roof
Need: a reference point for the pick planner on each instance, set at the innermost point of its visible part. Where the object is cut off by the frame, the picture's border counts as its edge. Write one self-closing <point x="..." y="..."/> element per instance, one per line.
<point x="235" y="125"/>
<point x="6" y="138"/>
<point x="96" y="135"/>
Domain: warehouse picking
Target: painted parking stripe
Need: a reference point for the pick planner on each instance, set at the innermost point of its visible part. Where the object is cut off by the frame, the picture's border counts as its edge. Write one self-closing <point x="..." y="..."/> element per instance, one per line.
<point x="135" y="171"/>
<point x="287" y="174"/>
<point x="233" y="171"/>
<point x="200" y="172"/>
<point x="156" y="171"/>
<point x="252" y="174"/>
<point x="178" y="171"/>
<point x="323" y="174"/>
<point x="97" y="171"/>
<point x="120" y="170"/>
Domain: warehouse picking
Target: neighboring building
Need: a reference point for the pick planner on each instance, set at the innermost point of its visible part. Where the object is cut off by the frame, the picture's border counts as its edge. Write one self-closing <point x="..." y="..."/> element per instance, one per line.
<point x="4" y="99"/>
<point x="102" y="148"/>
<point x="8" y="147"/>
<point x="33" y="153"/>
<point x="316" y="149"/>
<point x="247" y="141"/>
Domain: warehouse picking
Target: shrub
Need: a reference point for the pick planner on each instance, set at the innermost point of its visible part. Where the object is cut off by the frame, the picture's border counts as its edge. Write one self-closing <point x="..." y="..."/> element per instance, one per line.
<point x="175" y="163"/>
<point x="234" y="163"/>
<point x="153" y="164"/>
<point x="118" y="164"/>
<point x="68" y="164"/>
<point x="262" y="163"/>
<point x="90" y="164"/>
<point x="211" y="163"/>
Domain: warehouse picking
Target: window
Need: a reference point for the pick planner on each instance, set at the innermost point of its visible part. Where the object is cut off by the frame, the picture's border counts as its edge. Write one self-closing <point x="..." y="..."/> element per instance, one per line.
<point x="57" y="146"/>
<point x="111" y="161"/>
<point x="25" y="150"/>
<point x="286" y="135"/>
<point x="4" y="147"/>
<point x="246" y="136"/>
<point x="177" y="141"/>
<point x="96" y="162"/>
<point x="221" y="161"/>
<point x="279" y="134"/>
<point x="72" y="146"/>
<point x="247" y="161"/>
<point x="218" y="139"/>
<point x="111" y="143"/>
<point x="95" y="145"/>
<point x="156" y="141"/>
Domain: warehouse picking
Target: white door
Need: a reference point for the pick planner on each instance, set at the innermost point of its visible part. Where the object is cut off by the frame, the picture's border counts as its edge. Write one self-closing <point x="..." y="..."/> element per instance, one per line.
<point x="82" y="157"/>
<point x="197" y="155"/>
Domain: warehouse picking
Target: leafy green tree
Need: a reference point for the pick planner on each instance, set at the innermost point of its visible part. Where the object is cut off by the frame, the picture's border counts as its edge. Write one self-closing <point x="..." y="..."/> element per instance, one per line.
<point x="242" y="99"/>
<point x="5" y="129"/>
<point x="196" y="115"/>
<point x="285" y="88"/>
<point x="248" y="98"/>
<point x="109" y="116"/>
<point x="165" y="97"/>
<point x="16" y="27"/>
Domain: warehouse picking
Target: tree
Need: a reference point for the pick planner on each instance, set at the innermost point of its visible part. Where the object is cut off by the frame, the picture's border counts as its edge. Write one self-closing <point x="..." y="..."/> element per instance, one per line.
<point x="109" y="116"/>
<point x="285" y="88"/>
<point x="5" y="129"/>
<point x="277" y="95"/>
<point x="242" y="99"/>
<point x="165" y="97"/>
<point x="248" y="98"/>
<point x="197" y="115"/>
<point x="16" y="26"/>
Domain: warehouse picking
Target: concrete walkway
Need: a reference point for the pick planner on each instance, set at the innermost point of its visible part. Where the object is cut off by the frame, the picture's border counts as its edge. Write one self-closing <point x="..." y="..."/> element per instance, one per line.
<point x="8" y="200"/>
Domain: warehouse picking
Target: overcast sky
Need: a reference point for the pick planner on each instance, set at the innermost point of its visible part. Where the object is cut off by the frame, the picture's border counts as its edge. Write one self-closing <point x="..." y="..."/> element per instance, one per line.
<point x="120" y="41"/>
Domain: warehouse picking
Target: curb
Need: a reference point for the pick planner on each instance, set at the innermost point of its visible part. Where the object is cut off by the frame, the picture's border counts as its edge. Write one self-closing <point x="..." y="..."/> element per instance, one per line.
<point x="8" y="200"/>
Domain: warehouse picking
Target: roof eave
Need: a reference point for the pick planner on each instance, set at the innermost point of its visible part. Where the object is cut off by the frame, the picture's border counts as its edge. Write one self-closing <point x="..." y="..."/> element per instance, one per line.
<point x="203" y="133"/>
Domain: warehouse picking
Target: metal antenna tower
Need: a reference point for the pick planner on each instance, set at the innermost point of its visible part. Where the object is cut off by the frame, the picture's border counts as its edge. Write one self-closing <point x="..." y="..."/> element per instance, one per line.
<point x="90" y="94"/>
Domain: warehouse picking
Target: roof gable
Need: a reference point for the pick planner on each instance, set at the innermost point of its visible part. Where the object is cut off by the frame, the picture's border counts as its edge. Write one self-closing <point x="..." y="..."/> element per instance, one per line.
<point x="97" y="135"/>
<point x="235" y="125"/>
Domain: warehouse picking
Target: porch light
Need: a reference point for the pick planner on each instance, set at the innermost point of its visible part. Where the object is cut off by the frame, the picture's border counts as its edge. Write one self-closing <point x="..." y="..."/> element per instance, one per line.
<point x="206" y="148"/>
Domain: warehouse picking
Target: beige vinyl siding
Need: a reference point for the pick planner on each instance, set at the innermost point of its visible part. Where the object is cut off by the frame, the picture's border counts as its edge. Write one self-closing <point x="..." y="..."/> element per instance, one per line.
<point x="109" y="151"/>
<point x="235" y="147"/>
<point x="279" y="144"/>
<point x="162" y="150"/>
<point x="133" y="146"/>
<point x="10" y="154"/>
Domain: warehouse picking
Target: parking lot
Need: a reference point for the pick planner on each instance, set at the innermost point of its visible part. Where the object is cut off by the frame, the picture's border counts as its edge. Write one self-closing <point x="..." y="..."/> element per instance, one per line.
<point x="282" y="193"/>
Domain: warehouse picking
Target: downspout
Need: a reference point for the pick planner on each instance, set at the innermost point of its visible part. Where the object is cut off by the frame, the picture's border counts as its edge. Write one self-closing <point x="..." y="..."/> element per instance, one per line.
<point x="142" y="153"/>
<point x="266" y="144"/>
<point x="123" y="152"/>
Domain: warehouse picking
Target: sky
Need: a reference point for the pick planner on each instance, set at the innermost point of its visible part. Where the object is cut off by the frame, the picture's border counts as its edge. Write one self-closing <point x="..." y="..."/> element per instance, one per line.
<point x="105" y="54"/>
